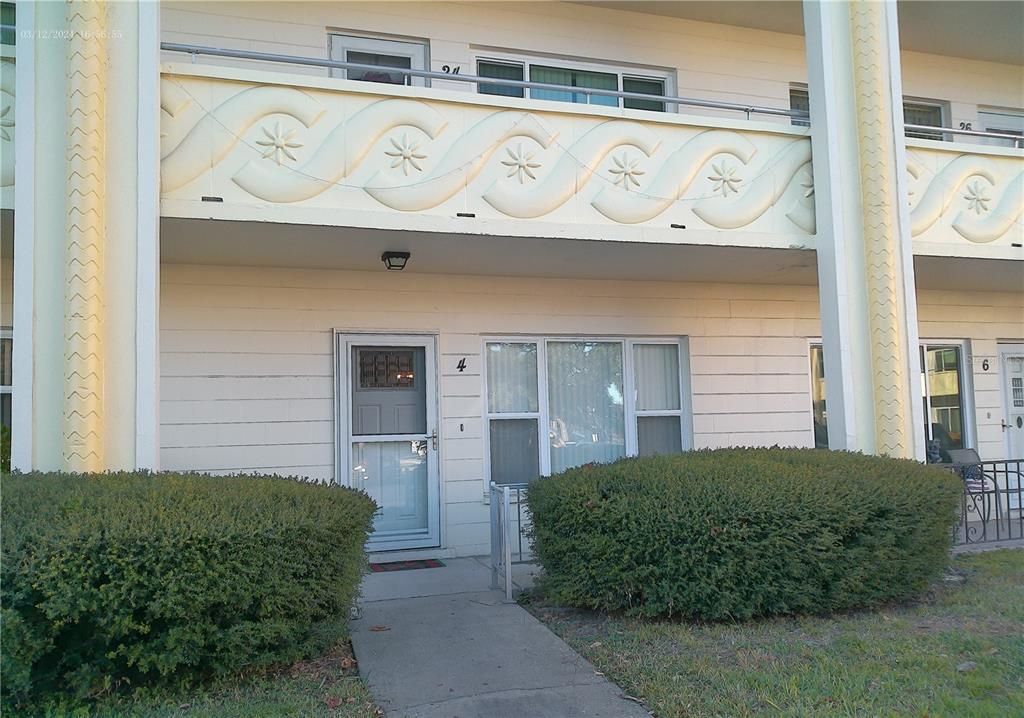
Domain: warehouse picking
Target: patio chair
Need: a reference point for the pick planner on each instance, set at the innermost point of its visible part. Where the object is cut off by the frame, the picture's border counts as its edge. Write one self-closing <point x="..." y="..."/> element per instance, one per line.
<point x="980" y="488"/>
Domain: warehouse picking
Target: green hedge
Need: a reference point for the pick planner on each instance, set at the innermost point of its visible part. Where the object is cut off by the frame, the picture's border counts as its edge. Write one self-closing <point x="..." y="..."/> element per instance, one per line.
<point x="122" y="580"/>
<point x="737" y="533"/>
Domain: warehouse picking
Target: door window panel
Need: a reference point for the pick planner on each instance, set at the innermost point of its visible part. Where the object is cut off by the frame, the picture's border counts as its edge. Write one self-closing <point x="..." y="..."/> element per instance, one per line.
<point x="382" y="60"/>
<point x="383" y="53"/>
<point x="394" y="474"/>
<point x="388" y="391"/>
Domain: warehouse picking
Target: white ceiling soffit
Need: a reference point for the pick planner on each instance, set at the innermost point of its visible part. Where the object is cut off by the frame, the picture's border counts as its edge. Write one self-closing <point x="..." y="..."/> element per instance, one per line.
<point x="991" y="30"/>
<point x="198" y="241"/>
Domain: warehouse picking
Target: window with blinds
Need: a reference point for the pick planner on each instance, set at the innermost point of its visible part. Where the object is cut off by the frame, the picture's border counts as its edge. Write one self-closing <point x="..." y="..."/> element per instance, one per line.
<point x="920" y="113"/>
<point x="914" y="113"/>
<point x="576" y="80"/>
<point x="555" y="403"/>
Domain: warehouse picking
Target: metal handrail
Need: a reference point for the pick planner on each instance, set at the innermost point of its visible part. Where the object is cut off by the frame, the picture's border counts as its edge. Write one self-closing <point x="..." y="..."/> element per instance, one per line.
<point x="501" y="530"/>
<point x="196" y="50"/>
<point x="1018" y="140"/>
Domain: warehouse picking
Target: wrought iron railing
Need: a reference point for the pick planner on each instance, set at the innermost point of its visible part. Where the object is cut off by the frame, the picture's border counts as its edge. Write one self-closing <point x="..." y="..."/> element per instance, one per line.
<point x="509" y="520"/>
<point x="992" y="504"/>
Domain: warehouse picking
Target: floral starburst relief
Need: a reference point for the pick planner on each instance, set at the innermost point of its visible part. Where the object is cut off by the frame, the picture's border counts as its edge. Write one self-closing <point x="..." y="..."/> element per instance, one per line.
<point x="626" y="172"/>
<point x="278" y="143"/>
<point x="976" y="198"/>
<point x="6" y="123"/>
<point x="405" y="155"/>
<point x="724" y="179"/>
<point x="520" y="164"/>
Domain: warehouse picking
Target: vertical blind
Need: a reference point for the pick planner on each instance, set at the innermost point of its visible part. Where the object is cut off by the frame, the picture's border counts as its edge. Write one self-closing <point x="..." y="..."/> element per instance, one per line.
<point x="586" y="403"/>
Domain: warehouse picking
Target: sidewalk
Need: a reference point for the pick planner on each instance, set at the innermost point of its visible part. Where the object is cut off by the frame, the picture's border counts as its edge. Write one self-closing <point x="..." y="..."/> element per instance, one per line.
<point x="432" y="644"/>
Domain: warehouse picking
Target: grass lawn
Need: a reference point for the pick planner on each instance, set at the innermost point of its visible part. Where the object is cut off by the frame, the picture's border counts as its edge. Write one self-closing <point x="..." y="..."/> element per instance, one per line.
<point x="324" y="687"/>
<point x="959" y="652"/>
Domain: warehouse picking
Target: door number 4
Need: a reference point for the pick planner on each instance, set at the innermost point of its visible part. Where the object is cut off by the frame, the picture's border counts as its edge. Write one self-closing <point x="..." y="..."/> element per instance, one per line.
<point x="461" y="366"/>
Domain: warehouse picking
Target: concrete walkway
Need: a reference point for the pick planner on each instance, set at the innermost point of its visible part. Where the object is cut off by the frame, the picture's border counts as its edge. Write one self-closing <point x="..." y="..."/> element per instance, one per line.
<point x="434" y="643"/>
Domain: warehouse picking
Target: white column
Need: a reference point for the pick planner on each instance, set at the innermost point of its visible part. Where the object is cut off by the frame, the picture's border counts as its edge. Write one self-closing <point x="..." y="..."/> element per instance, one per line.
<point x="117" y="194"/>
<point x="865" y="259"/>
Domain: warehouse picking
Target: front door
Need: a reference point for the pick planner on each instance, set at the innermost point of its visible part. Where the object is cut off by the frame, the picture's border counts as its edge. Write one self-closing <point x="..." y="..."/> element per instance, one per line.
<point x="389" y="430"/>
<point x="1011" y="360"/>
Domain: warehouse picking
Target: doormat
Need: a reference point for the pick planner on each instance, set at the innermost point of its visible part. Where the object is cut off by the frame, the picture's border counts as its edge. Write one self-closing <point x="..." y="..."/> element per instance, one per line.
<point x="405" y="565"/>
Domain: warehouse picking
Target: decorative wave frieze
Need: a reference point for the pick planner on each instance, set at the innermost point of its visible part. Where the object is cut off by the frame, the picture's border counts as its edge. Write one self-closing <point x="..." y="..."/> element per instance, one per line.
<point x="342" y="147"/>
<point x="966" y="196"/>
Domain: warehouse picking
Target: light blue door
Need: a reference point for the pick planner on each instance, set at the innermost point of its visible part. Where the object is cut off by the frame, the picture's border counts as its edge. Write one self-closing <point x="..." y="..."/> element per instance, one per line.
<point x="392" y="436"/>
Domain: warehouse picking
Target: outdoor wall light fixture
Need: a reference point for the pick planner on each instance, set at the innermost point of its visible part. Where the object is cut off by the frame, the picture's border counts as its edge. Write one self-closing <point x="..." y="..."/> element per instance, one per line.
<point x="395" y="260"/>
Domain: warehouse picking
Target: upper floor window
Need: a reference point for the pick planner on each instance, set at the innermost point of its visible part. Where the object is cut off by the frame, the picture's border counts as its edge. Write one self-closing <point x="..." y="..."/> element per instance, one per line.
<point x="385" y="54"/>
<point x="924" y="112"/>
<point x="577" y="78"/>
<point x="1007" y="122"/>
<point x="915" y="112"/>
<point x="7" y="34"/>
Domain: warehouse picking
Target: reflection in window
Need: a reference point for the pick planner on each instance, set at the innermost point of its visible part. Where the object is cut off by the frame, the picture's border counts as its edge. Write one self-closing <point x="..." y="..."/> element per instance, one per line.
<point x="589" y="409"/>
<point x="942" y="398"/>
<point x="942" y="395"/>
<point x="587" y="419"/>
<point x="818" y="397"/>
<point x="384" y="62"/>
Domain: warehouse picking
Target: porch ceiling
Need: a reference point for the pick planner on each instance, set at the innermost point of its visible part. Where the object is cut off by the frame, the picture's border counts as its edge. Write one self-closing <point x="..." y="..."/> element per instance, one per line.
<point x="975" y="29"/>
<point x="198" y="241"/>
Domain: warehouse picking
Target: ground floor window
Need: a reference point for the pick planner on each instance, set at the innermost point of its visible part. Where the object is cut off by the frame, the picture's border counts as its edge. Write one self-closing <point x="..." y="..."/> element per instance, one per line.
<point x="942" y="391"/>
<point x="553" y="403"/>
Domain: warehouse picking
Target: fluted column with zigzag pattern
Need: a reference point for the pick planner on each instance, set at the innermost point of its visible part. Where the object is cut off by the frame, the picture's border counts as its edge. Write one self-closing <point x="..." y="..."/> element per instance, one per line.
<point x="881" y="238"/>
<point x="85" y="225"/>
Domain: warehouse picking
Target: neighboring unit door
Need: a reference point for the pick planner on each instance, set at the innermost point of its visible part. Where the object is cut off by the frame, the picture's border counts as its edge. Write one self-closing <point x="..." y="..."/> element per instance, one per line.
<point x="390" y="432"/>
<point x="1011" y="361"/>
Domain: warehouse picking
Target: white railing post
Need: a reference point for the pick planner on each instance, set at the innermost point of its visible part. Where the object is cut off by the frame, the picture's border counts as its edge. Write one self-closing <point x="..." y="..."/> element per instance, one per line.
<point x="506" y="542"/>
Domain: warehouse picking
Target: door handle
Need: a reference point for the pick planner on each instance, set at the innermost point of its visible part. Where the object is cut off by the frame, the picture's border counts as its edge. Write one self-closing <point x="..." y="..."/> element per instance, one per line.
<point x="433" y="440"/>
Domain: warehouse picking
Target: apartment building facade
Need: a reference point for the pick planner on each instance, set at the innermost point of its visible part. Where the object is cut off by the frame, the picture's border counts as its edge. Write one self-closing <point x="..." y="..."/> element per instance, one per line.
<point x="419" y="247"/>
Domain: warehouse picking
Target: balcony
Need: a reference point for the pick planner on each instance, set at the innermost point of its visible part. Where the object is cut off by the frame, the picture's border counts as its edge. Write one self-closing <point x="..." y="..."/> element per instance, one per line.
<point x="240" y="144"/>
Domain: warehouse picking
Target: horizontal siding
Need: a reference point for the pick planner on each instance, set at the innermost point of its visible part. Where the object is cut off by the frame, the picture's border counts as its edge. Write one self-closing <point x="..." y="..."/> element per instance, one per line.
<point x="247" y="359"/>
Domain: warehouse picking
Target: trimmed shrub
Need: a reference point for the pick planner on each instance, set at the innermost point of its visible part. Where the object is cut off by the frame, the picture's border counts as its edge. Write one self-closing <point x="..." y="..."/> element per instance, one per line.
<point x="123" y="580"/>
<point x="736" y="533"/>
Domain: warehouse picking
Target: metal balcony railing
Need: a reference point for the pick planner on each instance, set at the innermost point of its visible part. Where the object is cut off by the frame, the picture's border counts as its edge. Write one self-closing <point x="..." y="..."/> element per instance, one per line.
<point x="196" y="50"/>
<point x="992" y="505"/>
